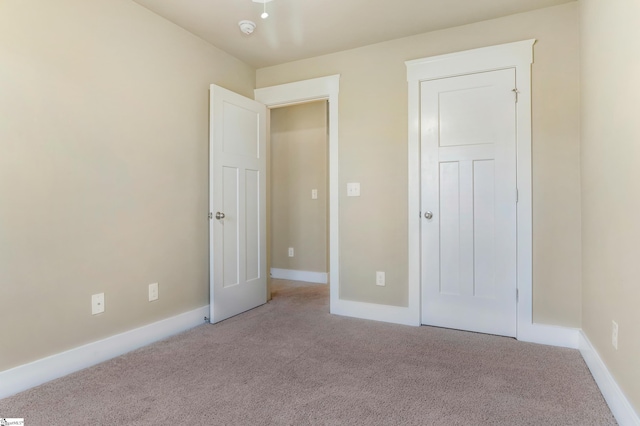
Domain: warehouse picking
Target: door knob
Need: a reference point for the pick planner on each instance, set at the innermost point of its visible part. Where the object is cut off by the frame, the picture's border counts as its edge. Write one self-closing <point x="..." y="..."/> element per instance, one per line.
<point x="428" y="215"/>
<point x="219" y="215"/>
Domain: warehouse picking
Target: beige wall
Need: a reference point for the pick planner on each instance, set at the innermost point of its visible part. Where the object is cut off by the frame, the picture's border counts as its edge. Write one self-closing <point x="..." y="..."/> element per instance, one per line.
<point x="611" y="184"/>
<point x="373" y="151"/>
<point x="298" y="165"/>
<point x="103" y="169"/>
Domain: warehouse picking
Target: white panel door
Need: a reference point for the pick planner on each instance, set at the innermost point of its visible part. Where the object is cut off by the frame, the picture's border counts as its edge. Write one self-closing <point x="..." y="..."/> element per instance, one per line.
<point x="237" y="197"/>
<point x="468" y="160"/>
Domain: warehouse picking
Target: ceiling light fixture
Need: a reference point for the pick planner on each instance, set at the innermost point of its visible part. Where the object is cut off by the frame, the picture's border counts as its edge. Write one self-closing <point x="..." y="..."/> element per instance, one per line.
<point x="264" y="15"/>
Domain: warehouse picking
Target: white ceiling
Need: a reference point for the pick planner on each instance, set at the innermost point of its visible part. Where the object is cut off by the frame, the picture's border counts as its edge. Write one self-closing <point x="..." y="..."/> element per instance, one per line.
<point x="298" y="29"/>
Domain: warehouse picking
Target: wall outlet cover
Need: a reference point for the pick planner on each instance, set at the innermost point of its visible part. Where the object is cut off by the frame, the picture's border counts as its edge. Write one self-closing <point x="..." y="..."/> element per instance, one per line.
<point x="153" y="292"/>
<point x="353" y="189"/>
<point x="97" y="304"/>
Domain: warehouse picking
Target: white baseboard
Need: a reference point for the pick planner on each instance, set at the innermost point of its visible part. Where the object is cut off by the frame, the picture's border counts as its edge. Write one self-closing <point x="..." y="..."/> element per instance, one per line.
<point x="293" y="275"/>
<point x="552" y="335"/>
<point x="375" y="312"/>
<point x="35" y="373"/>
<point x="43" y="370"/>
<point x="618" y="402"/>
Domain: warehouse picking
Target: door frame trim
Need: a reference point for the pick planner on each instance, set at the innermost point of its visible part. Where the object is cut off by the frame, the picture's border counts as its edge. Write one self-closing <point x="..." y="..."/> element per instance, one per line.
<point x="317" y="89"/>
<point x="519" y="56"/>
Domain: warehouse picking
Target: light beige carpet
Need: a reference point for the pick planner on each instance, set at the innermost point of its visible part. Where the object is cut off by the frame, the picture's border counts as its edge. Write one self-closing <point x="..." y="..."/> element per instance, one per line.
<point x="292" y="363"/>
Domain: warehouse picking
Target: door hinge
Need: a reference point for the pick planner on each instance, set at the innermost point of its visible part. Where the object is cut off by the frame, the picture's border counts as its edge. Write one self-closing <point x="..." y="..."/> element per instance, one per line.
<point x="517" y="296"/>
<point x="517" y="92"/>
<point x="517" y="195"/>
<point x="210" y="215"/>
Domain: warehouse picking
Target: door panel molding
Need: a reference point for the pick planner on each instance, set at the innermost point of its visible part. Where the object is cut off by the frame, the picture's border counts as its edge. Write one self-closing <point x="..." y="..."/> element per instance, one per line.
<point x="519" y="56"/>
<point x="237" y="204"/>
<point x="469" y="246"/>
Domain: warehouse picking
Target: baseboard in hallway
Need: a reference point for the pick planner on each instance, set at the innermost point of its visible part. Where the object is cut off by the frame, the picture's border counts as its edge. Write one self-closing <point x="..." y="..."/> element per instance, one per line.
<point x="294" y="275"/>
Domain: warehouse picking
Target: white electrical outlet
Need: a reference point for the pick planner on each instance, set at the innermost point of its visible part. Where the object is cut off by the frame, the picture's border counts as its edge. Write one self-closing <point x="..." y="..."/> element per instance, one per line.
<point x="97" y="303"/>
<point x="290" y="251"/>
<point x="353" y="189"/>
<point x="614" y="334"/>
<point x="314" y="194"/>
<point x="153" y="292"/>
<point x="380" y="278"/>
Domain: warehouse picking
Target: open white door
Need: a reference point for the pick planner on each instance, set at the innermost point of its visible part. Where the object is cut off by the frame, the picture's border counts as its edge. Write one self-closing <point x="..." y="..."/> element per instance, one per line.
<point x="237" y="202"/>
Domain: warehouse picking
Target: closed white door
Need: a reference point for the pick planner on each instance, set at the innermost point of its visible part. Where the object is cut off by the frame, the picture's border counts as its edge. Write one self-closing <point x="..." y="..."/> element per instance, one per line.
<point x="237" y="204"/>
<point x="469" y="196"/>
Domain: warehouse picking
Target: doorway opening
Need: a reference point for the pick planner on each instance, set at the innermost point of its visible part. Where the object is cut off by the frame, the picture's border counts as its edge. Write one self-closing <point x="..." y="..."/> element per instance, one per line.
<point x="298" y="194"/>
<point x="325" y="89"/>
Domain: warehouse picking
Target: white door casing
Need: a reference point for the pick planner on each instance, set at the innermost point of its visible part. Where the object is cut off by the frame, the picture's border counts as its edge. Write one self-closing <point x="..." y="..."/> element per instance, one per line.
<point x="519" y="56"/>
<point x="468" y="184"/>
<point x="322" y="88"/>
<point x="237" y="225"/>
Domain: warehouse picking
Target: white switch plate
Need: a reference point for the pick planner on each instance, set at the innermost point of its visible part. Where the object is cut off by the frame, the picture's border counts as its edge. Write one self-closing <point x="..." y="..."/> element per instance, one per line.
<point x="614" y="334"/>
<point x="153" y="292"/>
<point x="290" y="251"/>
<point x="314" y="194"/>
<point x="380" y="278"/>
<point x="97" y="303"/>
<point x="353" y="189"/>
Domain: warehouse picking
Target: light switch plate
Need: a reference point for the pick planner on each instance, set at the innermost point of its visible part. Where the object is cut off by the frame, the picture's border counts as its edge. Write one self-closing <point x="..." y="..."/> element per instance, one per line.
<point x="353" y="189"/>
<point x="314" y="194"/>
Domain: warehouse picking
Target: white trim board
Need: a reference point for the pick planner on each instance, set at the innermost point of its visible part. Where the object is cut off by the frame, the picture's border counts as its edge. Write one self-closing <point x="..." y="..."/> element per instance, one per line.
<point x="295" y="275"/>
<point x="552" y="335"/>
<point x="374" y="311"/>
<point x="26" y="376"/>
<point x="46" y="369"/>
<point x="306" y="91"/>
<point x="618" y="403"/>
